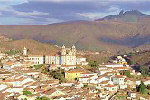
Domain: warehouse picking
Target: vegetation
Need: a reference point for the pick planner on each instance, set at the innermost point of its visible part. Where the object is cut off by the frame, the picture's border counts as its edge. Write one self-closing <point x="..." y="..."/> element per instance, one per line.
<point x="58" y="74"/>
<point x="127" y="73"/>
<point x="12" y="52"/>
<point x="100" y="58"/>
<point x="144" y="70"/>
<point x="42" y="98"/>
<point x="38" y="66"/>
<point x="142" y="88"/>
<point x="86" y="36"/>
<point x="121" y="97"/>
<point x="27" y="93"/>
<point x="85" y="85"/>
<point x="93" y="64"/>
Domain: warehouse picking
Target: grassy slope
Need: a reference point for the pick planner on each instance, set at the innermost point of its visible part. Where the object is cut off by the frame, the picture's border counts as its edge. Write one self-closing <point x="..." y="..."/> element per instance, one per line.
<point x="142" y="58"/>
<point x="33" y="46"/>
<point x="86" y="35"/>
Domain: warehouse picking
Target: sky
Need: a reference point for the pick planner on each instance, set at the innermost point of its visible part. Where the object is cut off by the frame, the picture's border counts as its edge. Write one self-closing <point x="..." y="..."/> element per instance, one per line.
<point x="43" y="12"/>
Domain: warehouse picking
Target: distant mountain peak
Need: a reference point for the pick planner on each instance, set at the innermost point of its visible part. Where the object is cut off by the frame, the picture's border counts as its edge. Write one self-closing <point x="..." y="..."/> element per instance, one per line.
<point x="133" y="12"/>
<point x="129" y="16"/>
<point x="121" y="13"/>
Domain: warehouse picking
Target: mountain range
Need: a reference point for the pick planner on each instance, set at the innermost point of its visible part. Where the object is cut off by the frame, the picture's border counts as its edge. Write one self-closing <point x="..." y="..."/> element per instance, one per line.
<point x="127" y="30"/>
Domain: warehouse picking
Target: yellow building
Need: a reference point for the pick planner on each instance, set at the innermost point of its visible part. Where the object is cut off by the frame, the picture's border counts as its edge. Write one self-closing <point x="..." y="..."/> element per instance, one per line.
<point x="122" y="62"/>
<point x="74" y="74"/>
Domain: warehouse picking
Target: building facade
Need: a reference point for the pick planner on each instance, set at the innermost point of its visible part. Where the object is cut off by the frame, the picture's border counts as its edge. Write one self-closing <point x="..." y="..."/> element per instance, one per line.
<point x="66" y="56"/>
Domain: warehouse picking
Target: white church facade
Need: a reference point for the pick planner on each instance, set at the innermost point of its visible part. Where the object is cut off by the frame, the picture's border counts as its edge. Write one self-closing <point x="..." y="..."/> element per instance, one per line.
<point x="66" y="57"/>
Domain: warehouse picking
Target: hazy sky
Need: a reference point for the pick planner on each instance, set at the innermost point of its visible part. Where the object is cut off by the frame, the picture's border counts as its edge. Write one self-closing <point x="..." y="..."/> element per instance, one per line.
<point x="20" y="12"/>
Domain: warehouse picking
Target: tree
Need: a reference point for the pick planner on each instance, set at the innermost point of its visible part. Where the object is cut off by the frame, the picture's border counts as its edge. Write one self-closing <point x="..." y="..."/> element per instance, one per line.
<point x="42" y="98"/>
<point x="58" y="74"/>
<point x="127" y="73"/>
<point x="142" y="88"/>
<point x="144" y="70"/>
<point x="93" y="64"/>
<point x="148" y="86"/>
<point x="27" y="93"/>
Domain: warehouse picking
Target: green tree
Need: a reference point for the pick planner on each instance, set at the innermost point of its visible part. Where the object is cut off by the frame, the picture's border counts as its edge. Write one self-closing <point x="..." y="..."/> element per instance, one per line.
<point x="58" y="74"/>
<point x="27" y="93"/>
<point x="127" y="73"/>
<point x="144" y="70"/>
<point x="93" y="64"/>
<point x="142" y="88"/>
<point x="42" y="98"/>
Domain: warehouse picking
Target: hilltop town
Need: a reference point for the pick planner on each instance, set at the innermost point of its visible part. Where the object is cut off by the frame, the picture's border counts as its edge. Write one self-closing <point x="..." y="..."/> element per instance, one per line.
<point x="67" y="75"/>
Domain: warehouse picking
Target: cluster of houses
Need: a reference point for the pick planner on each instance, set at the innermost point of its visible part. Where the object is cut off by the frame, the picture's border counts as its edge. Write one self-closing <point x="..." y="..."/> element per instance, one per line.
<point x="17" y="78"/>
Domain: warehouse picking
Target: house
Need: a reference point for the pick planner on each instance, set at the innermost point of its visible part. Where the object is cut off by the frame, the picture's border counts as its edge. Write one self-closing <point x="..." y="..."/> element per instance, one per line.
<point x="52" y="59"/>
<point x="130" y="83"/>
<point x="8" y="65"/>
<point x="81" y="61"/>
<point x="2" y="87"/>
<point x="104" y="95"/>
<point x="74" y="74"/>
<point x="14" y="90"/>
<point x="101" y="78"/>
<point x="112" y="65"/>
<point x="2" y="55"/>
<point x="118" y="79"/>
<point x="104" y="83"/>
<point x="53" y="67"/>
<point x="68" y="67"/>
<point x="25" y="97"/>
<point x="103" y="71"/>
<point x="84" y="79"/>
<point x="131" y="94"/>
<point x="53" y="93"/>
<point x="36" y="59"/>
<point x="110" y="88"/>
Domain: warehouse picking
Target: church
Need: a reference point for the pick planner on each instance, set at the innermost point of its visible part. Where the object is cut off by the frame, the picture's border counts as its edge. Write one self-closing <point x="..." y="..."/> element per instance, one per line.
<point x="66" y="56"/>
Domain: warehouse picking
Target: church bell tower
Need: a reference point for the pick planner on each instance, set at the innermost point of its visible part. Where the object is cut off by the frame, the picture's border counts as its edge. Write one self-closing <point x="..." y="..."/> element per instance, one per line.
<point x="24" y="51"/>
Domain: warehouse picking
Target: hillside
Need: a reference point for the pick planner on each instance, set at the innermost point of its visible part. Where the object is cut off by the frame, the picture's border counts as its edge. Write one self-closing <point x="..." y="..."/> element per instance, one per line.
<point x="34" y="47"/>
<point x="142" y="58"/>
<point x="88" y="35"/>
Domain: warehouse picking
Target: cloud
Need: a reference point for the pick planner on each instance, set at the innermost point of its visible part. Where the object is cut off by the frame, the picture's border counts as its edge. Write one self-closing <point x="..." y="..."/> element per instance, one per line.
<point x="54" y="11"/>
<point x="59" y="1"/>
<point x="113" y="9"/>
<point x="16" y="21"/>
<point x="90" y="15"/>
<point x="94" y="15"/>
<point x="12" y="2"/>
<point x="34" y="13"/>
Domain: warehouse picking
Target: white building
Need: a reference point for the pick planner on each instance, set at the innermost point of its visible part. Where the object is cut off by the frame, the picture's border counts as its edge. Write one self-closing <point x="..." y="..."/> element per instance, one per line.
<point x="66" y="56"/>
<point x="118" y="79"/>
<point x="52" y="59"/>
<point x="111" y="88"/>
<point x="81" y="61"/>
<point x="36" y="59"/>
<point x="131" y="94"/>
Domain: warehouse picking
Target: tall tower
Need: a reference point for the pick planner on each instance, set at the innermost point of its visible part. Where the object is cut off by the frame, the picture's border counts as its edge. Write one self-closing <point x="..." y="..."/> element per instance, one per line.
<point x="63" y="50"/>
<point x="63" y="55"/>
<point x="73" y="50"/>
<point x="73" y="57"/>
<point x="24" y="51"/>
